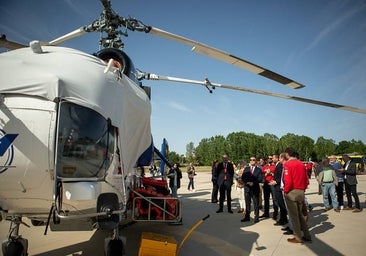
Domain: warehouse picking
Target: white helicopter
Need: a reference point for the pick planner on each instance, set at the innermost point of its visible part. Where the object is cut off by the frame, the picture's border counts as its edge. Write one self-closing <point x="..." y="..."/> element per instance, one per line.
<point x="75" y="129"/>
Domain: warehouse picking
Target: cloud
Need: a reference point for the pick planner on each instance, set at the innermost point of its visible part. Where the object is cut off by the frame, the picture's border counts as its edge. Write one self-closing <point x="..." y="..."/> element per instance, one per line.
<point x="178" y="106"/>
<point x="343" y="17"/>
<point x="78" y="9"/>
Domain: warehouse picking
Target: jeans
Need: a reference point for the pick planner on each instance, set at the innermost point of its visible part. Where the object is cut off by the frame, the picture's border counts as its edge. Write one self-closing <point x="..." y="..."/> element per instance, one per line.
<point x="329" y="188"/>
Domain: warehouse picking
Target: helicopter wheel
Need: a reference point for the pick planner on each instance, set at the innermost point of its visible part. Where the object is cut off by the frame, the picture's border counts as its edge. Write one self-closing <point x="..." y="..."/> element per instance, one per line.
<point x="115" y="247"/>
<point x="108" y="202"/>
<point x="15" y="247"/>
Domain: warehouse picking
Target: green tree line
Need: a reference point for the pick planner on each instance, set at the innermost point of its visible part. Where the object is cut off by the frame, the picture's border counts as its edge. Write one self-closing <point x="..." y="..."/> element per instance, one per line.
<point x="242" y="145"/>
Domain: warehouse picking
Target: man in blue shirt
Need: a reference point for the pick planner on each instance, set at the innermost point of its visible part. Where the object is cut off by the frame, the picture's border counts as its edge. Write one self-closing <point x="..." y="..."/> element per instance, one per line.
<point x="340" y="187"/>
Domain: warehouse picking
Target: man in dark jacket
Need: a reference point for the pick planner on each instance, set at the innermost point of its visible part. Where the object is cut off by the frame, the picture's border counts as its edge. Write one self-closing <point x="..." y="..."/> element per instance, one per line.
<point x="350" y="183"/>
<point x="224" y="176"/>
<point x="278" y="190"/>
<point x="251" y="178"/>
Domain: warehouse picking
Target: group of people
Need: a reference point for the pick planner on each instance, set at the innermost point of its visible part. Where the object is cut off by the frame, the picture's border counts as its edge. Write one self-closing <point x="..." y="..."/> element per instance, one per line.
<point x="175" y="175"/>
<point x="333" y="179"/>
<point x="283" y="177"/>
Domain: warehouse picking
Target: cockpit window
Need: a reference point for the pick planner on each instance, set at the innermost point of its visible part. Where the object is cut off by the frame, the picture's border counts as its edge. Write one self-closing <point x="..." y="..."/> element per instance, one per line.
<point x="85" y="143"/>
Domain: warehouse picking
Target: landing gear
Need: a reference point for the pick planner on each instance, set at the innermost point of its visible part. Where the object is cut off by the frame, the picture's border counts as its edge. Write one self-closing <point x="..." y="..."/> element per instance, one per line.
<point x="15" y="245"/>
<point x="107" y="203"/>
<point x="114" y="246"/>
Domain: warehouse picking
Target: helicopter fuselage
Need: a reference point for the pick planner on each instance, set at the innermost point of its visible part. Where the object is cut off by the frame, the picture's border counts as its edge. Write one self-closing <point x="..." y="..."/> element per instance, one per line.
<point x="74" y="129"/>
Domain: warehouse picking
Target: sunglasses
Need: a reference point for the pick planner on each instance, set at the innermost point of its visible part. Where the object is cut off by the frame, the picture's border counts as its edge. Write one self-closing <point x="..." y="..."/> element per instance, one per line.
<point x="252" y="159"/>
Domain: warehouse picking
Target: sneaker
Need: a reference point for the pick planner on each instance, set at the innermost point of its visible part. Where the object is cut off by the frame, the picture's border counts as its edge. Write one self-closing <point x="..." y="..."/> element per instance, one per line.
<point x="341" y="207"/>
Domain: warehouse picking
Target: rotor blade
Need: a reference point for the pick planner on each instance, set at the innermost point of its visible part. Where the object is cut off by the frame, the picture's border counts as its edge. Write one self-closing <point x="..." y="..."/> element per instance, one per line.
<point x="73" y="34"/>
<point x="9" y="44"/>
<point x="238" y="88"/>
<point x="228" y="58"/>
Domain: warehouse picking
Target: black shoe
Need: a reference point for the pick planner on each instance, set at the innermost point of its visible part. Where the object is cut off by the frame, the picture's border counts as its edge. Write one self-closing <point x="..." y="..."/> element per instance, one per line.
<point x="280" y="223"/>
<point x="288" y="232"/>
<point x="274" y="217"/>
<point x="245" y="219"/>
<point x="229" y="211"/>
<point x="307" y="239"/>
<point x="214" y="201"/>
<point x="219" y="210"/>
<point x="285" y="229"/>
<point x="256" y="220"/>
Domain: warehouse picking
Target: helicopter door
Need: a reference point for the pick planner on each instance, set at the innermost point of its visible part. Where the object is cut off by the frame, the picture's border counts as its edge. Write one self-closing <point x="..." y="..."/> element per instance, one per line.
<point x="85" y="143"/>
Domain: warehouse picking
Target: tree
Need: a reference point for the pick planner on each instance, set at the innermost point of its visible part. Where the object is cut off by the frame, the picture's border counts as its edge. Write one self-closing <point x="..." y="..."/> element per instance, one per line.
<point x="210" y="149"/>
<point x="324" y="147"/>
<point x="174" y="157"/>
<point x="343" y="147"/>
<point x="242" y="145"/>
<point x="190" y="152"/>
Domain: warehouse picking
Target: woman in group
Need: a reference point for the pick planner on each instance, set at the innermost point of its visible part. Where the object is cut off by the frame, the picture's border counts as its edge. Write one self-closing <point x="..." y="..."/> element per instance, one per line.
<point x="240" y="185"/>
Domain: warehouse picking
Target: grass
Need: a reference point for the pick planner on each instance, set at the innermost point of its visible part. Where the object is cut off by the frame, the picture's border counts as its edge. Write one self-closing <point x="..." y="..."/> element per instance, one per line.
<point x="203" y="168"/>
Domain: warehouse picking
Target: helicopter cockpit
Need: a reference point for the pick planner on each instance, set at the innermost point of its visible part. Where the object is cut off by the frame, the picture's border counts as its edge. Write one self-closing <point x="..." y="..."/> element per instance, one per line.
<point x="85" y="143"/>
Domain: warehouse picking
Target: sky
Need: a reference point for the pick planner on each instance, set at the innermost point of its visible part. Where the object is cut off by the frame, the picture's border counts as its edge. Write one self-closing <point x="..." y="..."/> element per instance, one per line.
<point x="321" y="44"/>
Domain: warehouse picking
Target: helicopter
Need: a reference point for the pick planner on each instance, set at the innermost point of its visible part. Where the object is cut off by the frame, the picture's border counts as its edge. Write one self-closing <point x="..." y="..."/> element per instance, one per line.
<point x="76" y="130"/>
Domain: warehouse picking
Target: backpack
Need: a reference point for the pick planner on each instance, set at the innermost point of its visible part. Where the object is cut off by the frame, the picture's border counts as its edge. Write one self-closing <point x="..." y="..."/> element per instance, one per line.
<point x="328" y="175"/>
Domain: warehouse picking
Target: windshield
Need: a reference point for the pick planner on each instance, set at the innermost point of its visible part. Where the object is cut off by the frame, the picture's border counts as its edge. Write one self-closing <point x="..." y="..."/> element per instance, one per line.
<point x="85" y="143"/>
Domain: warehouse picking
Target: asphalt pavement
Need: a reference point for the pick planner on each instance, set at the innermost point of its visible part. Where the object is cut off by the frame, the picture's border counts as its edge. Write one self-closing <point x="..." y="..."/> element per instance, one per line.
<point x="222" y="233"/>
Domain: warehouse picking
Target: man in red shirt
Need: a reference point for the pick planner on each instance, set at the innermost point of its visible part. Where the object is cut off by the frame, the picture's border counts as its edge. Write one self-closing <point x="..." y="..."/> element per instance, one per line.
<point x="296" y="181"/>
<point x="268" y="190"/>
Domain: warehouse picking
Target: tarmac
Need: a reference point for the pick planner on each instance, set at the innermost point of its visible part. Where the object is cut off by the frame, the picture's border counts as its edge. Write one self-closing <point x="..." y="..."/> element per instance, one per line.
<point x="222" y="233"/>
